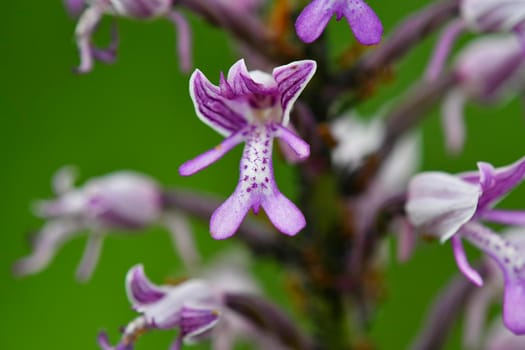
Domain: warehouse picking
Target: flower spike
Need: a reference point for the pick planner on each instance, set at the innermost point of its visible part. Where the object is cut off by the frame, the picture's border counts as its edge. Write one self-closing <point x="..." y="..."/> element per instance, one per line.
<point x="251" y="107"/>
<point x="365" y="25"/>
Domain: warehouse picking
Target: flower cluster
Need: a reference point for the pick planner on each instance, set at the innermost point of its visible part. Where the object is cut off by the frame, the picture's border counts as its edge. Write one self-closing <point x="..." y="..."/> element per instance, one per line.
<point x="366" y="170"/>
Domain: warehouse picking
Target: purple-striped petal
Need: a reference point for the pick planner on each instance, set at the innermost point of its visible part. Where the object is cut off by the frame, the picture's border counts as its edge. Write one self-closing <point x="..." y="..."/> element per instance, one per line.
<point x="241" y="83"/>
<point x="212" y="108"/>
<point x="196" y="323"/>
<point x="139" y="288"/>
<point x="291" y="80"/>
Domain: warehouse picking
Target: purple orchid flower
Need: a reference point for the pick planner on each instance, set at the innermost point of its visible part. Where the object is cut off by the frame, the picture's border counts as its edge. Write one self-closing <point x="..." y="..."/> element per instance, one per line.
<point x="479" y="16"/>
<point x="120" y="201"/>
<point x="488" y="71"/>
<point x="453" y="207"/>
<point x="365" y="24"/>
<point x="192" y="306"/>
<point x="251" y="107"/>
<point x="135" y="9"/>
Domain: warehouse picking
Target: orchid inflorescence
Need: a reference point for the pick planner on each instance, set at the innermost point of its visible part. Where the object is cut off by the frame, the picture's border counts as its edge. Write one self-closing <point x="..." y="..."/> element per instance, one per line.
<point x="357" y="178"/>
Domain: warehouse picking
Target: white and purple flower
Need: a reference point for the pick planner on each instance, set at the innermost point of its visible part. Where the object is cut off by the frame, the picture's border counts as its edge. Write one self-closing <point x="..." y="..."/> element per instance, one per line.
<point x="479" y="16"/>
<point x="123" y="200"/>
<point x="488" y="71"/>
<point x="91" y="12"/>
<point x="197" y="307"/>
<point x="363" y="21"/>
<point x="193" y="306"/>
<point x="454" y="207"/>
<point x="252" y="107"/>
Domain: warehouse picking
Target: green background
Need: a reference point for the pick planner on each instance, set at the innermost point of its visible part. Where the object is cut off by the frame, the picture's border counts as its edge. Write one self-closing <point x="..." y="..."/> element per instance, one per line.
<point x="137" y="114"/>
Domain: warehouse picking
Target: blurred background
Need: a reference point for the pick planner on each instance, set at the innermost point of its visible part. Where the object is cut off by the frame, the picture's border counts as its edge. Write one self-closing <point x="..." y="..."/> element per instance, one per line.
<point x="137" y="114"/>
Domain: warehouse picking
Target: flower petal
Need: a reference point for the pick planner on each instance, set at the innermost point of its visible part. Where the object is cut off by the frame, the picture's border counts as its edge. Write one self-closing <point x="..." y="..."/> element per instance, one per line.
<point x="496" y="183"/>
<point x="291" y="80"/>
<point x="47" y="243"/>
<point x="440" y="203"/>
<point x="227" y="218"/>
<point x="75" y="7"/>
<point x="90" y="257"/>
<point x="313" y="20"/>
<point x="510" y="259"/>
<point x="183" y="40"/>
<point x="283" y="214"/>
<point x="64" y="180"/>
<point x="212" y="108"/>
<point x="195" y="323"/>
<point x="463" y="264"/>
<point x="442" y="49"/>
<point x="514" y="305"/>
<point x="507" y="217"/>
<point x="365" y="24"/>
<point x="241" y="82"/>
<point x="108" y="54"/>
<point x="453" y="120"/>
<point x="207" y="158"/>
<point x="140" y="290"/>
<point x="83" y="32"/>
<point x="296" y="144"/>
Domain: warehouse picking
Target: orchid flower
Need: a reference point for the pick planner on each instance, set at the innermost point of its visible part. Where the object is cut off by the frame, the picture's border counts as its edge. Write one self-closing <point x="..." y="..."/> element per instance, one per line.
<point x="192" y="306"/>
<point x="487" y="71"/>
<point x="454" y="207"/>
<point x="196" y="307"/>
<point x="135" y="9"/>
<point x="479" y="16"/>
<point x="363" y="21"/>
<point x="252" y="107"/>
<point x="120" y="201"/>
